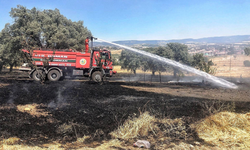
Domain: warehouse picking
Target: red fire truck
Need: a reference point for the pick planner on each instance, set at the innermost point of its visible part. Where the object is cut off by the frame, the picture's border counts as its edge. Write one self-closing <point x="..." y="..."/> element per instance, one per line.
<point x="55" y="64"/>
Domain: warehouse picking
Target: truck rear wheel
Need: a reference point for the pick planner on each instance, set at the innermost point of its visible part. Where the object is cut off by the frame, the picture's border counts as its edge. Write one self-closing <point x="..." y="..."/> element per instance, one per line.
<point x="97" y="76"/>
<point x="36" y="75"/>
<point x="54" y="75"/>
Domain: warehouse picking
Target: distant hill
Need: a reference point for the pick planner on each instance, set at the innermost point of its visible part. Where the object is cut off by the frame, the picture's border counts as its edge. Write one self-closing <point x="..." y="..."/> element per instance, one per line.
<point x="218" y="40"/>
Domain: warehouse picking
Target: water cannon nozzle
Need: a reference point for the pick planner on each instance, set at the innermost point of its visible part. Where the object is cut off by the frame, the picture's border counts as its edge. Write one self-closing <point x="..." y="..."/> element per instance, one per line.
<point x="93" y="38"/>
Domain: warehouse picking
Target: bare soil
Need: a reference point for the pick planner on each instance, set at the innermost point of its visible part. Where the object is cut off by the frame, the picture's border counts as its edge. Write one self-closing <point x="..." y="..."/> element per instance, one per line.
<point x="39" y="114"/>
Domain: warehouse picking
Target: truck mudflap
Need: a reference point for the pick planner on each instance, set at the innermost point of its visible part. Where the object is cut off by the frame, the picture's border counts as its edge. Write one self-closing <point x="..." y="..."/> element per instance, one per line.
<point x="111" y="72"/>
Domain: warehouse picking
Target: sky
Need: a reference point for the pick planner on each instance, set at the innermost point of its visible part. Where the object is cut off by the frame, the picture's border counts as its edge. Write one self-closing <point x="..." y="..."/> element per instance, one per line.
<point x="115" y="20"/>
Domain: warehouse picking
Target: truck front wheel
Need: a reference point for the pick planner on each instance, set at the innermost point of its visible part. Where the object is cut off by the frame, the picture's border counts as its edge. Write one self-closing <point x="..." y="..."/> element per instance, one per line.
<point x="54" y="75"/>
<point x="97" y="76"/>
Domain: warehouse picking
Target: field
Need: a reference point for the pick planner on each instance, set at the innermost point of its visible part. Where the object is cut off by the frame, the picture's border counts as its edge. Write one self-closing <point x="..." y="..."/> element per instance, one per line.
<point x="226" y="66"/>
<point x="79" y="114"/>
<point x="232" y="66"/>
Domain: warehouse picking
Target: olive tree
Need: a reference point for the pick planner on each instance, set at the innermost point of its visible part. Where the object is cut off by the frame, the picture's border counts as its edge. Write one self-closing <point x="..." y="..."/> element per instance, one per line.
<point x="33" y="29"/>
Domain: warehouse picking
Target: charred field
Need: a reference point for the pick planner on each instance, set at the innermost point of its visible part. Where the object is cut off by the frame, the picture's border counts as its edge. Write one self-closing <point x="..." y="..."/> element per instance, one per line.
<point x="61" y="113"/>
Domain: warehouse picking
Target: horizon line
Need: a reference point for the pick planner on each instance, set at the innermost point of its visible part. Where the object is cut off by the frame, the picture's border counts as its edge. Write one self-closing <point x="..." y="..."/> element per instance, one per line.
<point x="183" y="38"/>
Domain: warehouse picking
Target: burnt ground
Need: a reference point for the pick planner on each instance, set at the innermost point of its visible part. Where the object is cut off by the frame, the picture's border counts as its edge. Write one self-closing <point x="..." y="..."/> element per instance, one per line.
<point x="62" y="111"/>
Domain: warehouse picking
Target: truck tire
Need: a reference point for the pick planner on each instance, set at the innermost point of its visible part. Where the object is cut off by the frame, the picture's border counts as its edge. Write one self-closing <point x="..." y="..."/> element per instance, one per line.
<point x="54" y="75"/>
<point x="97" y="76"/>
<point x="36" y="75"/>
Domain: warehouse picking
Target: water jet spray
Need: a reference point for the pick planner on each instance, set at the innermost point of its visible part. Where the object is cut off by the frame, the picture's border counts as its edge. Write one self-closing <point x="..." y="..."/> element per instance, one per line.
<point x="218" y="81"/>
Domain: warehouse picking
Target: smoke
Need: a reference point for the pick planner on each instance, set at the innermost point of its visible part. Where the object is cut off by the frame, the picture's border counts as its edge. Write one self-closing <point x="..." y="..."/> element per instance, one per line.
<point x="11" y="98"/>
<point x="163" y="78"/>
<point x="12" y="95"/>
<point x="61" y="99"/>
<point x="130" y="79"/>
<point x="15" y="90"/>
<point x="25" y="88"/>
<point x="187" y="80"/>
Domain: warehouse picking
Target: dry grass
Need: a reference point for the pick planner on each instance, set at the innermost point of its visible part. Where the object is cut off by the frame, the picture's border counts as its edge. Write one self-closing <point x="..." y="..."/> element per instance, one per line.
<point x="226" y="129"/>
<point x="32" y="109"/>
<point x="14" y="143"/>
<point x="83" y="139"/>
<point x="3" y="85"/>
<point x="111" y="144"/>
<point x="11" y="141"/>
<point x="116" y="52"/>
<point x="147" y="127"/>
<point x="53" y="146"/>
<point x="231" y="66"/>
<point x="136" y="127"/>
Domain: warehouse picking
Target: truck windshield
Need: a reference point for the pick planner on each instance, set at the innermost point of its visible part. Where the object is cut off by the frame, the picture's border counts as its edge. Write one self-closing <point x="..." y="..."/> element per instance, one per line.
<point x="105" y="56"/>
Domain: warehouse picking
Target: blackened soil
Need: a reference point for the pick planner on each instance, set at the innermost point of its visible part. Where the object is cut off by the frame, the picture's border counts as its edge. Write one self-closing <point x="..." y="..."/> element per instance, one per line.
<point x="78" y="107"/>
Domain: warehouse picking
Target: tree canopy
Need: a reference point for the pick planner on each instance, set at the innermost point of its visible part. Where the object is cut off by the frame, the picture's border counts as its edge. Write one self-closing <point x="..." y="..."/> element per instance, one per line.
<point x="247" y="51"/>
<point x="133" y="61"/>
<point x="130" y="61"/>
<point x="180" y="52"/>
<point x="48" y="29"/>
<point x="200" y="63"/>
<point x="176" y="51"/>
<point x="33" y="28"/>
<point x="10" y="47"/>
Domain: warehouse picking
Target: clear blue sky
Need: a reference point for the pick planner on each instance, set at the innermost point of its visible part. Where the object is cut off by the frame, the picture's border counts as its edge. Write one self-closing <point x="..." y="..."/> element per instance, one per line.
<point x="148" y="19"/>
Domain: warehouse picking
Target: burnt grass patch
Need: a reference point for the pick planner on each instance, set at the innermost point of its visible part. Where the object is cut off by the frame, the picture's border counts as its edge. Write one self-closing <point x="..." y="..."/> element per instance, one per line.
<point x="81" y="108"/>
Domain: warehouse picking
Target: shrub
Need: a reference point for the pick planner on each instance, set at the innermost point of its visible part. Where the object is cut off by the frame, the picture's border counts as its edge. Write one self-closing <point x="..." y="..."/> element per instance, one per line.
<point x="247" y="63"/>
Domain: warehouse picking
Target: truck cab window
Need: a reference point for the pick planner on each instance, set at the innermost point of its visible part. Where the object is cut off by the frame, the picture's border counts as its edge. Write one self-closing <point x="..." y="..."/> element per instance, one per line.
<point x="105" y="56"/>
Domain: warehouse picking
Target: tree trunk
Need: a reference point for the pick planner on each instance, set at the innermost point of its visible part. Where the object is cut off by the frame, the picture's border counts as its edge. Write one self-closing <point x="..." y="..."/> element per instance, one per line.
<point x="134" y="71"/>
<point x="175" y="72"/>
<point x="144" y="76"/>
<point x="1" y="66"/>
<point x="160" y="76"/>
<point x="11" y="67"/>
<point x="129" y="76"/>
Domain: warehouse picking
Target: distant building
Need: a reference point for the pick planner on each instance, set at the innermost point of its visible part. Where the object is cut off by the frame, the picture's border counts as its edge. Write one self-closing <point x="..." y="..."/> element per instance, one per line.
<point x="208" y="53"/>
<point x="221" y="53"/>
